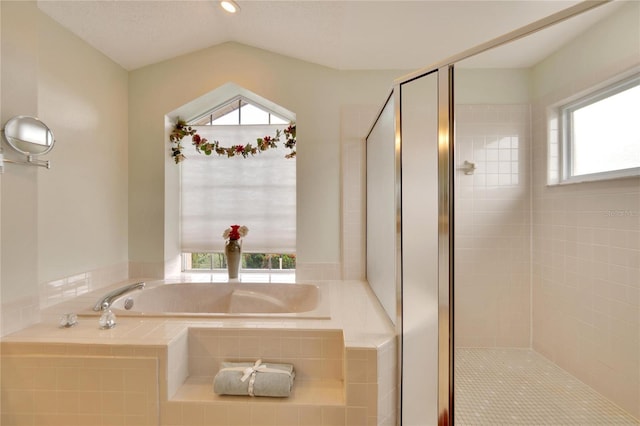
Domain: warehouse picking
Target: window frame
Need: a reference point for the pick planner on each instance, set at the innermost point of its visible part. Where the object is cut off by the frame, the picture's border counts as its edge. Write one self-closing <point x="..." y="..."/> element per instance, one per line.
<point x="186" y="261"/>
<point x="258" y="275"/>
<point x="234" y="104"/>
<point x="563" y="114"/>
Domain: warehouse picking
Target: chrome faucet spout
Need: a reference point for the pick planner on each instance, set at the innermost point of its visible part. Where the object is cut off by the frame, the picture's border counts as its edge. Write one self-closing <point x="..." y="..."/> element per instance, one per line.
<point x="105" y="302"/>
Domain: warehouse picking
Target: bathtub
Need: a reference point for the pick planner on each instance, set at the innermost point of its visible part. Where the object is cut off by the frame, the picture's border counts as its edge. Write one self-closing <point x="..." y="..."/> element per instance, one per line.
<point x="191" y="299"/>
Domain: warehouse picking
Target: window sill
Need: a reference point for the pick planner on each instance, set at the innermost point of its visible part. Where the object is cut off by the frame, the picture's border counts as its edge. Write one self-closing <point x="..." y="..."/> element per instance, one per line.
<point x="599" y="177"/>
<point x="249" y="276"/>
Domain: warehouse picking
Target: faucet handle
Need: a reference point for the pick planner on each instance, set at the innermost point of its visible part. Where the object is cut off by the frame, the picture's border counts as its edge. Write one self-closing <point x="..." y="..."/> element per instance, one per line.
<point x="68" y="320"/>
<point x="107" y="319"/>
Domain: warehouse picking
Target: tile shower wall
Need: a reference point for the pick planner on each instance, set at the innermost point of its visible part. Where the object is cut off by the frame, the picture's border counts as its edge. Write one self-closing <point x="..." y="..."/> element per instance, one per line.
<point x="586" y="276"/>
<point x="492" y="241"/>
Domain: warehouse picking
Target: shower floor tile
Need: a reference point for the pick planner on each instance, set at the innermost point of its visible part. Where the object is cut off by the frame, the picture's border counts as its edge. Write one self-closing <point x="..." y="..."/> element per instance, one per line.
<point x="520" y="387"/>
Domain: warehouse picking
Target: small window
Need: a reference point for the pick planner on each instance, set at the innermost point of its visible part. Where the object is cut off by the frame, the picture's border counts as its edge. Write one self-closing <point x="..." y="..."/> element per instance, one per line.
<point x="256" y="267"/>
<point x="238" y="111"/>
<point x="253" y="261"/>
<point x="600" y="133"/>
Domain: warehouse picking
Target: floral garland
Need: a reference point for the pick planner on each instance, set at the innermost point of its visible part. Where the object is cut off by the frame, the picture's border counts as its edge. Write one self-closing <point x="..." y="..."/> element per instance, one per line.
<point x="203" y="146"/>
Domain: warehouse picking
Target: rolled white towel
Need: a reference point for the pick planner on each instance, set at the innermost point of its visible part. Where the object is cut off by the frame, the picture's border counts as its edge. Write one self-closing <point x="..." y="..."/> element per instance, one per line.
<point x="257" y="379"/>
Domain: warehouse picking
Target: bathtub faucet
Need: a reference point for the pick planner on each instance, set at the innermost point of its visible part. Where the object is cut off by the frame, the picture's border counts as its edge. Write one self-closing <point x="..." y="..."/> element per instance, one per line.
<point x="105" y="302"/>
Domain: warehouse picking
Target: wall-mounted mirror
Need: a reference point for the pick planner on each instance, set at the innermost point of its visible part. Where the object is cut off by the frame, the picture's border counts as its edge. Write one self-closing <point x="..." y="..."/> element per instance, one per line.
<point x="28" y="135"/>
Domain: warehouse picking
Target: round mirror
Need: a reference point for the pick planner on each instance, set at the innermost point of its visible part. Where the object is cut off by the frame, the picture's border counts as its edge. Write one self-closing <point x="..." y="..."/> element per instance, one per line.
<point x="28" y="135"/>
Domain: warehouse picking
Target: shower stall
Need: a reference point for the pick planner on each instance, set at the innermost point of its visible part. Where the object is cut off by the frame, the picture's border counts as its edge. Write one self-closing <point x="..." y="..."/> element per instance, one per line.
<point x="514" y="285"/>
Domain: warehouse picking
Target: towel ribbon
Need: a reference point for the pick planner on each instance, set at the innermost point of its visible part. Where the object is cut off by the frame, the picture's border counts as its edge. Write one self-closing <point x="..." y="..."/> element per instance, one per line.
<point x="250" y="373"/>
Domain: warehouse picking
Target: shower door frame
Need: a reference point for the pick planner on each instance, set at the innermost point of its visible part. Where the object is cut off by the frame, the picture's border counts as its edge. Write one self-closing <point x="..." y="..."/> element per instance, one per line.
<point x="446" y="168"/>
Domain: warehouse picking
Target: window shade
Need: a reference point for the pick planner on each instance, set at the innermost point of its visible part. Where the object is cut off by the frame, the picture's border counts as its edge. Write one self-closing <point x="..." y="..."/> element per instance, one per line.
<point x="258" y="192"/>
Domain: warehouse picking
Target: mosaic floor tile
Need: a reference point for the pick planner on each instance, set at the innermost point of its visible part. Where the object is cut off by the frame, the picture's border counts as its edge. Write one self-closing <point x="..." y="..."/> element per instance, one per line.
<point x="519" y="387"/>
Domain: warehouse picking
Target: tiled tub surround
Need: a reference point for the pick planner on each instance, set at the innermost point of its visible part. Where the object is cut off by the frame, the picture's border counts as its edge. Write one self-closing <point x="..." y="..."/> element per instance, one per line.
<point x="17" y="314"/>
<point x="159" y="371"/>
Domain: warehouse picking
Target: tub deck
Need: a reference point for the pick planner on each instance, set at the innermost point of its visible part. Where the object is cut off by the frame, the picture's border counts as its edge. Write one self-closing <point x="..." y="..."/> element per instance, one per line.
<point x="345" y="364"/>
<point x="354" y="309"/>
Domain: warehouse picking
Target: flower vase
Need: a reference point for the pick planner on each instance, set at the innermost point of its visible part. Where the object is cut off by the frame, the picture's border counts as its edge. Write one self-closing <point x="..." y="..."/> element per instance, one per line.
<point x="233" y="252"/>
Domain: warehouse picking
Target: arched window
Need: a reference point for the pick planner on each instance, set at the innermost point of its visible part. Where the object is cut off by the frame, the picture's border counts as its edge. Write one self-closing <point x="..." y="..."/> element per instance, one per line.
<point x="258" y="191"/>
<point x="238" y="111"/>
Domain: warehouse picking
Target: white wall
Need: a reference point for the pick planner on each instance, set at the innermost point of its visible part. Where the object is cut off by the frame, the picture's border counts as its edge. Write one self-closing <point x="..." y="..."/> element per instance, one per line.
<point x="18" y="190"/>
<point x="63" y="229"/>
<point x="314" y="93"/>
<point x="605" y="49"/>
<point x="106" y="205"/>
<point x="497" y="86"/>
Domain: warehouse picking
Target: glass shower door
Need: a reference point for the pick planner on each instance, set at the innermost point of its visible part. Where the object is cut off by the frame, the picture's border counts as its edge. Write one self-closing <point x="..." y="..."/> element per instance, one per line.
<point x="419" y="218"/>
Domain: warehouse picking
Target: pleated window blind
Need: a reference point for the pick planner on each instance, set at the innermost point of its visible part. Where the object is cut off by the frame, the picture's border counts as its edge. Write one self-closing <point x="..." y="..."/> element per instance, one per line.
<point x="258" y="192"/>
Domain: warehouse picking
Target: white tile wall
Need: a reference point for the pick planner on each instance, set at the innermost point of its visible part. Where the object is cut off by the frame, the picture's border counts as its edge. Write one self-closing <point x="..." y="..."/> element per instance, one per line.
<point x="583" y="282"/>
<point x="19" y="314"/>
<point x="492" y="215"/>
<point x="586" y="276"/>
<point x="66" y="288"/>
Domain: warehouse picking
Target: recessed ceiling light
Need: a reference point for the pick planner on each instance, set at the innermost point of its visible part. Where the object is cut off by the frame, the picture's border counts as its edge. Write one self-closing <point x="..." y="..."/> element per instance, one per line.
<point x="230" y="6"/>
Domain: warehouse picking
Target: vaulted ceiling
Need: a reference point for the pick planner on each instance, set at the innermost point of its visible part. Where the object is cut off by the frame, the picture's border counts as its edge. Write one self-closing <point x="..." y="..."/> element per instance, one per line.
<point x="348" y="35"/>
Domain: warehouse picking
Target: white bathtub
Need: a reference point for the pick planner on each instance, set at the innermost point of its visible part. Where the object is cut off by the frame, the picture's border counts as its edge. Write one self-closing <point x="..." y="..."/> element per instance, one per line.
<point x="224" y="300"/>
